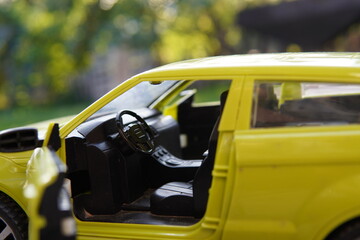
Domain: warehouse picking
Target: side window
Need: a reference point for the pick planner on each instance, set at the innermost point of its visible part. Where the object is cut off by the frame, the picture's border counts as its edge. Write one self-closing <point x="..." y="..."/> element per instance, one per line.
<point x="196" y="110"/>
<point x="202" y="92"/>
<point x="209" y="91"/>
<point x="278" y="104"/>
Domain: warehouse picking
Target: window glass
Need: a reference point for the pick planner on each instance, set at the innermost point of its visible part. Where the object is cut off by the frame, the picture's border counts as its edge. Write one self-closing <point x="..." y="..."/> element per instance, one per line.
<point x="209" y="91"/>
<point x="140" y="96"/>
<point x="202" y="92"/>
<point x="277" y="104"/>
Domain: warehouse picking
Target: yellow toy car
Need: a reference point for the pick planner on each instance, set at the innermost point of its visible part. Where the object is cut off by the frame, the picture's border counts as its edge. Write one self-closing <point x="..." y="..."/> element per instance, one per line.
<point x="234" y="147"/>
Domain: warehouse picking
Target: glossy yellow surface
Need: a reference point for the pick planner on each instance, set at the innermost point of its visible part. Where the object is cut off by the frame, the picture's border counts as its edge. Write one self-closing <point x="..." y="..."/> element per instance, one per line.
<point x="41" y="172"/>
<point x="284" y="183"/>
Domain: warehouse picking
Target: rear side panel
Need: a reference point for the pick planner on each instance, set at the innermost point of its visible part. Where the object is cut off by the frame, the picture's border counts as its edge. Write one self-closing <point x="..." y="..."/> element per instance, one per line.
<point x="290" y="185"/>
<point x="293" y="182"/>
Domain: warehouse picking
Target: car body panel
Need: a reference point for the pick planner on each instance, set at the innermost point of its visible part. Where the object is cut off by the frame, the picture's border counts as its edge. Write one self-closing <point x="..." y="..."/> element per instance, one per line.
<point x="315" y="64"/>
<point x="313" y="191"/>
<point x="304" y="70"/>
<point x="41" y="173"/>
<point x="12" y="181"/>
<point x="268" y="183"/>
<point x="13" y="166"/>
<point x="302" y="180"/>
<point x="48" y="204"/>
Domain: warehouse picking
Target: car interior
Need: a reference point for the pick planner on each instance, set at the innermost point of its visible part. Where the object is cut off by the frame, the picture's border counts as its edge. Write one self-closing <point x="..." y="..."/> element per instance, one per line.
<point x="143" y="166"/>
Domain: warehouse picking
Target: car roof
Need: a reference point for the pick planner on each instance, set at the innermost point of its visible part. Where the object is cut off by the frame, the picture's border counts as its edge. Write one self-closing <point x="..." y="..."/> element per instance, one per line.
<point x="316" y="63"/>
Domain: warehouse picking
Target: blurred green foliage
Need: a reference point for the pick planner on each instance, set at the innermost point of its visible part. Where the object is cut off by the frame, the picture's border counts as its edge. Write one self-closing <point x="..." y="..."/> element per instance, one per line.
<point x="44" y="44"/>
<point x="193" y="29"/>
<point x="20" y="116"/>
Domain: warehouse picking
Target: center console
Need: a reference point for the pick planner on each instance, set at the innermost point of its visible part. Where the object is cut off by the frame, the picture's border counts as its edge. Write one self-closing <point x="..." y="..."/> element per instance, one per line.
<point x="167" y="159"/>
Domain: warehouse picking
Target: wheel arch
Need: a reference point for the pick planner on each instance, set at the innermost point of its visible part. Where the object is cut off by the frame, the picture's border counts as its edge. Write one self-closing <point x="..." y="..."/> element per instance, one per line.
<point x="13" y="217"/>
<point x="330" y="209"/>
<point x="14" y="190"/>
<point x="342" y="227"/>
<point x="11" y="198"/>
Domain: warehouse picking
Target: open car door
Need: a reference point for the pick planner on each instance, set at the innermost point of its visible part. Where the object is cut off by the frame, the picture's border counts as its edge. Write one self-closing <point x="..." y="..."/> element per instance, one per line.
<point x="49" y="208"/>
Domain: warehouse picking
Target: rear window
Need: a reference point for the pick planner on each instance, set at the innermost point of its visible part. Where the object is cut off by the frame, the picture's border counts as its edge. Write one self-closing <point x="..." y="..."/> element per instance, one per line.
<point x="278" y="104"/>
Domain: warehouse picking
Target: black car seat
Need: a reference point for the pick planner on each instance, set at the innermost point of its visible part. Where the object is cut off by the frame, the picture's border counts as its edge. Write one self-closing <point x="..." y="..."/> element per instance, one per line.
<point x="189" y="198"/>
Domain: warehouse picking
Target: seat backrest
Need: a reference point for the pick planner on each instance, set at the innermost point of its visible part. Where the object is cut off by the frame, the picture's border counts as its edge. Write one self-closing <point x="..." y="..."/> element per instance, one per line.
<point x="203" y="176"/>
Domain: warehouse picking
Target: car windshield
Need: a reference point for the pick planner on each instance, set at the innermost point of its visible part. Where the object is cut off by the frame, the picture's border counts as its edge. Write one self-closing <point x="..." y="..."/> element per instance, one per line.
<point x="140" y="96"/>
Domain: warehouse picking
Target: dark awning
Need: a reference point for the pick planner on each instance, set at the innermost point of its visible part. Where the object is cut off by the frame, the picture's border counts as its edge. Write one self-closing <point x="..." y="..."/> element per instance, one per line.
<point x="309" y="23"/>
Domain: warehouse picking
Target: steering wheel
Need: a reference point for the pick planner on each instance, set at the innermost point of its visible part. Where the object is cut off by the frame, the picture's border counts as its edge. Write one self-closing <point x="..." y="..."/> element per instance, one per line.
<point x="138" y="135"/>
